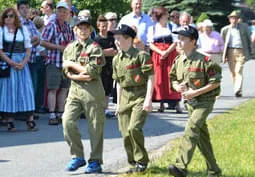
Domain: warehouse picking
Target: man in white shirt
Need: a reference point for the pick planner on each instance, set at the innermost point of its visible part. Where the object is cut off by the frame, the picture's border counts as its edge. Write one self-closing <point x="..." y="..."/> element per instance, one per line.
<point x="47" y="10"/>
<point x="138" y="19"/>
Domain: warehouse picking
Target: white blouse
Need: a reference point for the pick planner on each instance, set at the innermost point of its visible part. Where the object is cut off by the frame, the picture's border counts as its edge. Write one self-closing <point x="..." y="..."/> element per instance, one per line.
<point x="157" y="31"/>
<point x="19" y="37"/>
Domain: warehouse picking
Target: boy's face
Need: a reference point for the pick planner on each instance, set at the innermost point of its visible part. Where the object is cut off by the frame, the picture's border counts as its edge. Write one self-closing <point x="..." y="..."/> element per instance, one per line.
<point x="83" y="31"/>
<point x="102" y="27"/>
<point x="185" y="43"/>
<point x="120" y="40"/>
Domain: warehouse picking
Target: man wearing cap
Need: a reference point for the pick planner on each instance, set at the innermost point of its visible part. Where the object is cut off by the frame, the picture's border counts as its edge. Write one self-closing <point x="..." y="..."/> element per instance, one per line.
<point x="237" y="49"/>
<point x="198" y="79"/>
<point x="83" y="62"/>
<point x="56" y="35"/>
<point x="211" y="42"/>
<point x="133" y="72"/>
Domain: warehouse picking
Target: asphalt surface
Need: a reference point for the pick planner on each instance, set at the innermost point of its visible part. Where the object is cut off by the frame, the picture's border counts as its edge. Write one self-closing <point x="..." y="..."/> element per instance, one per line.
<point x="45" y="153"/>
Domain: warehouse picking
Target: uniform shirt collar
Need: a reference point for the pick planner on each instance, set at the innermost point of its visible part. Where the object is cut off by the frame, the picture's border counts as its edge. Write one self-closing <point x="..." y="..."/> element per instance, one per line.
<point x="128" y="53"/>
<point x="82" y="43"/>
<point x="193" y="55"/>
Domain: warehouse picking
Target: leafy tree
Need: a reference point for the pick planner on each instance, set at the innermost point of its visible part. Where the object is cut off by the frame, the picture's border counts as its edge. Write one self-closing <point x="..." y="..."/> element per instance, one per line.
<point x="217" y="10"/>
<point x="202" y="17"/>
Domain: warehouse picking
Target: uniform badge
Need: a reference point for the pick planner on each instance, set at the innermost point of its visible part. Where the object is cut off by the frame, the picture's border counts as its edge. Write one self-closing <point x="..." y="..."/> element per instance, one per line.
<point x="137" y="78"/>
<point x="211" y="72"/>
<point x="197" y="82"/>
<point x="99" y="60"/>
<point x="83" y="59"/>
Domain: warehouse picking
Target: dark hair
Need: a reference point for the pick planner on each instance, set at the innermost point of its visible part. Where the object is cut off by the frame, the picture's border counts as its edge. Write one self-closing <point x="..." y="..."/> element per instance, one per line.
<point x="20" y="2"/>
<point x="17" y="22"/>
<point x="101" y="18"/>
<point x="159" y="12"/>
<point x="50" y="5"/>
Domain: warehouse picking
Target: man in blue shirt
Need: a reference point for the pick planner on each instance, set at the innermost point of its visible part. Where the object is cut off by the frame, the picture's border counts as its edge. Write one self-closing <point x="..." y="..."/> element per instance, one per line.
<point x="138" y="19"/>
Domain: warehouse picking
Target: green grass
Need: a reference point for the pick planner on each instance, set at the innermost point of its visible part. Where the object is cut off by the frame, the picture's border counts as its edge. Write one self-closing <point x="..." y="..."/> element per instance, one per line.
<point x="233" y="140"/>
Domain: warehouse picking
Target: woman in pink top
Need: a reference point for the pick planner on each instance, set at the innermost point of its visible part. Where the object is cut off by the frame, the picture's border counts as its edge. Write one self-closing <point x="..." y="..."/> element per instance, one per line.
<point x="211" y="42"/>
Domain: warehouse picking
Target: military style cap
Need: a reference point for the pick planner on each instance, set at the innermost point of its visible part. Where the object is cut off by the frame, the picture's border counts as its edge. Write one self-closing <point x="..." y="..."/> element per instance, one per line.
<point x="125" y="29"/>
<point x="62" y="4"/>
<point x="234" y="14"/>
<point x="82" y="19"/>
<point x="188" y="31"/>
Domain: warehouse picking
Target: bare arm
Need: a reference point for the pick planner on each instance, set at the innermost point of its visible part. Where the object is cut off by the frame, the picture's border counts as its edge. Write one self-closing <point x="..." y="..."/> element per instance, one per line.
<point x="79" y="77"/>
<point x="119" y="92"/>
<point x="72" y="65"/>
<point x="110" y="52"/>
<point x="147" y="106"/>
<point x="52" y="46"/>
<point x="190" y="93"/>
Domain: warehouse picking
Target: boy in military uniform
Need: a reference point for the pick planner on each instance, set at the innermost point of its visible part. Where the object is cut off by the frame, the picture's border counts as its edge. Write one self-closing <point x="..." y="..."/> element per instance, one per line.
<point x="198" y="79"/>
<point x="133" y="72"/>
<point x="83" y="61"/>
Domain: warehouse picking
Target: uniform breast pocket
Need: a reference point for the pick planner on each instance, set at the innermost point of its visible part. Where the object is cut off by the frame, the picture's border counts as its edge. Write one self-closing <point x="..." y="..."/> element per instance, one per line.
<point x="197" y="80"/>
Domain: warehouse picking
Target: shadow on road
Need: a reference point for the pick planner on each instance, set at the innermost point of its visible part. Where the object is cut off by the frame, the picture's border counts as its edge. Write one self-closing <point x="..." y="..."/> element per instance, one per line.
<point x="156" y="125"/>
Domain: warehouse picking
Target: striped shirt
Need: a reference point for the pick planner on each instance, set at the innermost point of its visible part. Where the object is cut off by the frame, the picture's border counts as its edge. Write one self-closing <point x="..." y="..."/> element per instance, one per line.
<point x="59" y="35"/>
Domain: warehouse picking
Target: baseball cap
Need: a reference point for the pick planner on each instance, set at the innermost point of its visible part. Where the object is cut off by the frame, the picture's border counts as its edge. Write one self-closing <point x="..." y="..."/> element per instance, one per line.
<point x="62" y="4"/>
<point x="125" y="29"/>
<point x="188" y="31"/>
<point x="82" y="19"/>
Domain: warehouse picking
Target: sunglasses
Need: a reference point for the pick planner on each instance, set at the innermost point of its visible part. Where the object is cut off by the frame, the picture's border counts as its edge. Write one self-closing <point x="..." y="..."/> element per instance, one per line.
<point x="172" y="16"/>
<point x="9" y="16"/>
<point x="112" y="19"/>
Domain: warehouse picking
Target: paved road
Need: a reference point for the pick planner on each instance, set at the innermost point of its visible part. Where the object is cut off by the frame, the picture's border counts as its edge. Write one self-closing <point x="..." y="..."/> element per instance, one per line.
<point x="45" y="153"/>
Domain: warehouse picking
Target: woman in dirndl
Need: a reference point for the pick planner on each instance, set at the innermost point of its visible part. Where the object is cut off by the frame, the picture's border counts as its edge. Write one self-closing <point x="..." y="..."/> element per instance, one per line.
<point x="163" y="55"/>
<point x="16" y="91"/>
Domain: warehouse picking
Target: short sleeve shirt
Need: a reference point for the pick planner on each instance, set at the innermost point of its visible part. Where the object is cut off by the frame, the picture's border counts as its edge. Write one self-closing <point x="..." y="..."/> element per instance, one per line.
<point x="59" y="35"/>
<point x="132" y="68"/>
<point x="198" y="71"/>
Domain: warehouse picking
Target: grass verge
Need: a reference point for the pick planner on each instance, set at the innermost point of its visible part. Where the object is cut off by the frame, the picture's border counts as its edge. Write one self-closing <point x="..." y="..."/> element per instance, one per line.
<point x="233" y="140"/>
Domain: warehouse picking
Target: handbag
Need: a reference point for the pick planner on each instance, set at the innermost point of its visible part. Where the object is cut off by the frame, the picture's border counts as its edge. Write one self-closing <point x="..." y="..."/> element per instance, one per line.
<point x="6" y="71"/>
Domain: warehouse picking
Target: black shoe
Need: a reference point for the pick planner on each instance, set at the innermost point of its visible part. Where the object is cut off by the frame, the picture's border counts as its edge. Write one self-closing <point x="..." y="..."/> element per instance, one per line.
<point x="140" y="167"/>
<point x="238" y="94"/>
<point x="161" y="109"/>
<point x="216" y="174"/>
<point x="176" y="172"/>
<point x="42" y="110"/>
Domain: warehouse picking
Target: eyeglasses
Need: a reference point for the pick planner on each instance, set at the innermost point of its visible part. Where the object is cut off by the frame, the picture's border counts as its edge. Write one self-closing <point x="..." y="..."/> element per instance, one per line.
<point x="173" y="16"/>
<point x="9" y="16"/>
<point x="112" y="19"/>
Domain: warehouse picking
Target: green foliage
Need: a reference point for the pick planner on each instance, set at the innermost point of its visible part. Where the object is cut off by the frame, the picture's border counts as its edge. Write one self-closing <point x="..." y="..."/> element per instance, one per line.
<point x="218" y="14"/>
<point x="250" y="3"/>
<point x="202" y="17"/>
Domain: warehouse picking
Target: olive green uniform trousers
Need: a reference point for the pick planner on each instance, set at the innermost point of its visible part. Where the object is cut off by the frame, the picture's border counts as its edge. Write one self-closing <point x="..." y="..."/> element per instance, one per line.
<point x="132" y="118"/>
<point x="78" y="101"/>
<point x="196" y="134"/>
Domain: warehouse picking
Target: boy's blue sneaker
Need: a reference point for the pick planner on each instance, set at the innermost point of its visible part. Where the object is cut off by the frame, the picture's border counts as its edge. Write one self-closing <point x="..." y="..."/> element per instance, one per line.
<point x="75" y="164"/>
<point x="93" y="167"/>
